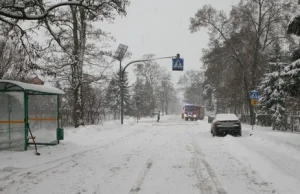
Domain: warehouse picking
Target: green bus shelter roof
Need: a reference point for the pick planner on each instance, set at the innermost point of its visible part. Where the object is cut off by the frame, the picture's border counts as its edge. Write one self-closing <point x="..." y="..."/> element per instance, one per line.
<point x="9" y="85"/>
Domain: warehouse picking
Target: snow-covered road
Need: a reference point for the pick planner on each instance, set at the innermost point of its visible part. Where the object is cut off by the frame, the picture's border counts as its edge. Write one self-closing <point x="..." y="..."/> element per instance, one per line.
<point x="172" y="156"/>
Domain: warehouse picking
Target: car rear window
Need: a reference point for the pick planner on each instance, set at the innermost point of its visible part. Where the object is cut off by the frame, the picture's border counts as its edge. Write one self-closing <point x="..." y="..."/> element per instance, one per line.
<point x="224" y="117"/>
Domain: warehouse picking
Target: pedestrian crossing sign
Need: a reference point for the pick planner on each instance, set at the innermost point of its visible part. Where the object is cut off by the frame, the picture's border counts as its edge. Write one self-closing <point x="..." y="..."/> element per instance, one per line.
<point x="178" y="64"/>
<point x="254" y="94"/>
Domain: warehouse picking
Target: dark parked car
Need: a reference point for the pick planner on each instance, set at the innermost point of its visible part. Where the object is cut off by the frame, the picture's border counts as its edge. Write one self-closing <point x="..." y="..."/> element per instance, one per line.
<point x="226" y="124"/>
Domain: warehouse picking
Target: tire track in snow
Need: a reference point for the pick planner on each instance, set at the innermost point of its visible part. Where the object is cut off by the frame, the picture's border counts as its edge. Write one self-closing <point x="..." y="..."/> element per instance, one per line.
<point x="141" y="177"/>
<point x="277" y="160"/>
<point x="137" y="186"/>
<point x="63" y="160"/>
<point x="229" y="168"/>
<point x="68" y="162"/>
<point x="126" y="159"/>
<point x="211" y="184"/>
<point x="87" y="166"/>
<point x="23" y="180"/>
<point x="273" y="169"/>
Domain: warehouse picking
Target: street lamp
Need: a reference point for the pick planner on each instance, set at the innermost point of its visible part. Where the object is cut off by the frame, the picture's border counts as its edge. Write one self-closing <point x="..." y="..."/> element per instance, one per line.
<point x="120" y="52"/>
<point x="119" y="55"/>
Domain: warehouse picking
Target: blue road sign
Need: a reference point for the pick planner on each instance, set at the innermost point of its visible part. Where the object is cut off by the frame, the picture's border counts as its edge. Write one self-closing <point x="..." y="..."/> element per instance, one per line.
<point x="254" y="94"/>
<point x="178" y="64"/>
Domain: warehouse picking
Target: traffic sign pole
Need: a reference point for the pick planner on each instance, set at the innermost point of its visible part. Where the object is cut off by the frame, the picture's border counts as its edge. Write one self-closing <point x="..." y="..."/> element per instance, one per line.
<point x="254" y="96"/>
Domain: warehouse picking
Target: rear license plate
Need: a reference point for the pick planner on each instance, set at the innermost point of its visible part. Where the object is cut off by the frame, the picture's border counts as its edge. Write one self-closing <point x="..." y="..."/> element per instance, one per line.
<point x="227" y="124"/>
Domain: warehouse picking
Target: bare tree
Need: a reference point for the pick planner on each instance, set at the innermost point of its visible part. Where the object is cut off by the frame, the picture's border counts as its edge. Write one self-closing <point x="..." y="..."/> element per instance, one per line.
<point x="255" y="23"/>
<point x="192" y="85"/>
<point x="14" y="62"/>
<point x="148" y="79"/>
<point x="165" y="92"/>
<point x="94" y="105"/>
<point x="69" y="27"/>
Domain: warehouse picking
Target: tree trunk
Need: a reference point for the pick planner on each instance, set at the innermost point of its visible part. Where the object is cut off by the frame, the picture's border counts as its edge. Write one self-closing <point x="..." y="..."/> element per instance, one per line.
<point x="77" y="67"/>
<point x="88" y="116"/>
<point x="162" y="108"/>
<point x="115" y="114"/>
<point x="77" y="110"/>
<point x="167" y="107"/>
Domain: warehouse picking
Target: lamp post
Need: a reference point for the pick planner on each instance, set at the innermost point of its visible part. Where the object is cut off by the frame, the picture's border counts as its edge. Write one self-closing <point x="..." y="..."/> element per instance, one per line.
<point x="119" y="55"/>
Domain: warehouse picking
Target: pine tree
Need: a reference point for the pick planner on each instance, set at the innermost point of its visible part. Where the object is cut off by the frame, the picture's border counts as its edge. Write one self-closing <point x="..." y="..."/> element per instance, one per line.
<point x="113" y="95"/>
<point x="294" y="26"/>
<point x="273" y="95"/>
<point x="292" y="71"/>
<point x="143" y="90"/>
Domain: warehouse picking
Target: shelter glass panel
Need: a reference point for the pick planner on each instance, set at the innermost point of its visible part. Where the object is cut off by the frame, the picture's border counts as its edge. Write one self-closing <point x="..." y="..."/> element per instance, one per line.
<point x="12" y="128"/>
<point x="42" y="118"/>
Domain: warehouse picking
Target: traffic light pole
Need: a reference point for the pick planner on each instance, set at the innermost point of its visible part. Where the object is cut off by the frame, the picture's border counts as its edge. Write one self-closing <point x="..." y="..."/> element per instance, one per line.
<point x="122" y="72"/>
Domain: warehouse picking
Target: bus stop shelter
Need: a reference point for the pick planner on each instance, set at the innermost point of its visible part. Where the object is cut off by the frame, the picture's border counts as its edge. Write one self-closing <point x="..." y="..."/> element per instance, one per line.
<point x="25" y="107"/>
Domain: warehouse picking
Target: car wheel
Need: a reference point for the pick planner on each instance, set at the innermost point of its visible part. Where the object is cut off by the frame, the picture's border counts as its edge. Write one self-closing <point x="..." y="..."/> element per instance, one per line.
<point x="240" y="134"/>
<point x="213" y="133"/>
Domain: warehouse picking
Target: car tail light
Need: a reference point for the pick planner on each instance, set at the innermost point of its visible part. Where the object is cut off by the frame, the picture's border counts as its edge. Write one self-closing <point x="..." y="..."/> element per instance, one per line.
<point x="218" y="123"/>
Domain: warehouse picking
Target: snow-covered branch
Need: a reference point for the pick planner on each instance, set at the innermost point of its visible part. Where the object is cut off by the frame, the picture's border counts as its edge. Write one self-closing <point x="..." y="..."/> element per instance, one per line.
<point x="18" y="12"/>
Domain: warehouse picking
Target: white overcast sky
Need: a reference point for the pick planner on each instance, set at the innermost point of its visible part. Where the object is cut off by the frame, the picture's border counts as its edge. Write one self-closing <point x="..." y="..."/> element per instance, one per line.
<point x="161" y="27"/>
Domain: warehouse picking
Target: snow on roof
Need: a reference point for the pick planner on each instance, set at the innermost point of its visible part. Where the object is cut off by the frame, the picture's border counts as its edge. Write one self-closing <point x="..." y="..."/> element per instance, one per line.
<point x="226" y="117"/>
<point x="15" y="85"/>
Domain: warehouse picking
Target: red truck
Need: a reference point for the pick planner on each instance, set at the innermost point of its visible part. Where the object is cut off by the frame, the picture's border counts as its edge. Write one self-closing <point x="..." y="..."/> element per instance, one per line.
<point x="193" y="112"/>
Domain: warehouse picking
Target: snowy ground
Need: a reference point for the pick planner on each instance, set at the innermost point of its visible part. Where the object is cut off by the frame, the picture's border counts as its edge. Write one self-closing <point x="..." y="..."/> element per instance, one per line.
<point x="173" y="156"/>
